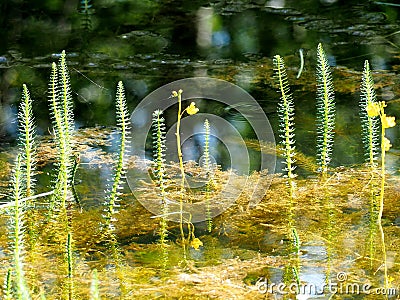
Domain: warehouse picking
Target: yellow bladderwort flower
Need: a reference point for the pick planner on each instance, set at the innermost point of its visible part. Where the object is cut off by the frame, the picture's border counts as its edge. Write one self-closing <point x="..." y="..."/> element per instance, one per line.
<point x="196" y="243"/>
<point x="388" y="122"/>
<point x="192" y="109"/>
<point x="373" y="109"/>
<point x="386" y="144"/>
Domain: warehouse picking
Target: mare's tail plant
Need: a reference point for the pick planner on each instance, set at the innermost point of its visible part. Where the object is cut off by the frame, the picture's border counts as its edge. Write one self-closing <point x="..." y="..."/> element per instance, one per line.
<point x="325" y="111"/>
<point x="27" y="148"/>
<point x="113" y="196"/>
<point x="27" y="143"/>
<point x="16" y="228"/>
<point x="370" y="137"/>
<point x="369" y="124"/>
<point x="63" y="125"/>
<point x="159" y="170"/>
<point x="207" y="168"/>
<point x="286" y="117"/>
<point x="287" y="144"/>
<point x="113" y="193"/>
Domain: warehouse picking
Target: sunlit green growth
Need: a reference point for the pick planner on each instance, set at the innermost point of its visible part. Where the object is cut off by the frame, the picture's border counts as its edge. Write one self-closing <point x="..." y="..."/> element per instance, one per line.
<point x="123" y="128"/>
<point x="325" y="111"/>
<point x="369" y="124"/>
<point x="27" y="143"/>
<point x="159" y="169"/>
<point x="17" y="231"/>
<point x="286" y="120"/>
<point x="63" y="126"/>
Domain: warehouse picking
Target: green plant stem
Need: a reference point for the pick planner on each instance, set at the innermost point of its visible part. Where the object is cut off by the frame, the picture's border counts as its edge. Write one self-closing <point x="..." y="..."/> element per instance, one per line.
<point x="286" y="112"/>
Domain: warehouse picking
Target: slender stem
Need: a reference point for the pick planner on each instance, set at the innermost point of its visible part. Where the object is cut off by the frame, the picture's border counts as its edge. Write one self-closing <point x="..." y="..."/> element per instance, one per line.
<point x="382" y="195"/>
<point x="178" y="144"/>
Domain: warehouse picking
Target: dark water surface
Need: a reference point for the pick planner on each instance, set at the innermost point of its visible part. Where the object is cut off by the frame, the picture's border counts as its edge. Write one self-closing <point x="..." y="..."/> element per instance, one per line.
<point x="147" y="44"/>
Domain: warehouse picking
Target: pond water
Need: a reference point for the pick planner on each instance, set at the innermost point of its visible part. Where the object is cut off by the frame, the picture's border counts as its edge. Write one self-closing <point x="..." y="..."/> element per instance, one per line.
<point x="148" y="44"/>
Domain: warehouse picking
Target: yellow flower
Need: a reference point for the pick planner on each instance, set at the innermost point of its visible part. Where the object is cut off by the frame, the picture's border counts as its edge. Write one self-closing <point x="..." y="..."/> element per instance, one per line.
<point x="388" y="122"/>
<point x="386" y="144"/>
<point x="196" y="243"/>
<point x="373" y="109"/>
<point x="192" y="109"/>
<point x="176" y="93"/>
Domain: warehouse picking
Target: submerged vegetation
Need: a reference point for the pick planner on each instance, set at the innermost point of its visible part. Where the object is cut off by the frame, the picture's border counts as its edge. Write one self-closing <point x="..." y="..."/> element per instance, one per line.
<point x="73" y="242"/>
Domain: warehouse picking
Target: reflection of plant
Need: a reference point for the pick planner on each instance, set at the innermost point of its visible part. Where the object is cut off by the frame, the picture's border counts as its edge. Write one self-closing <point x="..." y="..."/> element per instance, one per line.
<point x="375" y="109"/>
<point x="369" y="124"/>
<point x="70" y="265"/>
<point x="86" y="10"/>
<point x="191" y="110"/>
<point x="159" y="169"/>
<point x="325" y="111"/>
<point x="94" y="287"/>
<point x="113" y="194"/>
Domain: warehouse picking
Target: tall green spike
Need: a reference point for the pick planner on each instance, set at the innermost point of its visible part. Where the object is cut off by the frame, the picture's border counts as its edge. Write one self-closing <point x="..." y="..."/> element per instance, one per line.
<point x="325" y="111"/>
<point x="369" y="125"/>
<point x="26" y="137"/>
